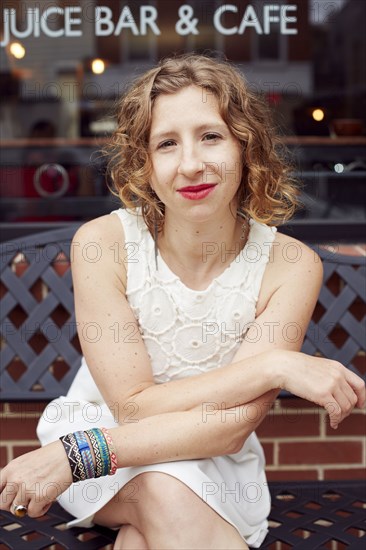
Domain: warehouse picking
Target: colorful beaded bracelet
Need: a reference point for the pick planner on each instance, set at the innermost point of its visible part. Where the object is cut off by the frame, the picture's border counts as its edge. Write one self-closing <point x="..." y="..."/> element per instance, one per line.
<point x="85" y="452"/>
<point x="97" y="454"/>
<point x="79" y="454"/>
<point x="112" y="452"/>
<point x="103" y="449"/>
<point x="74" y="457"/>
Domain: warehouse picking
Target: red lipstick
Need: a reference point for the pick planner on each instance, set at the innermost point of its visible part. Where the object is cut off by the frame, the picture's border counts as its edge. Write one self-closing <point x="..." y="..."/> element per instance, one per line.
<point x="197" y="192"/>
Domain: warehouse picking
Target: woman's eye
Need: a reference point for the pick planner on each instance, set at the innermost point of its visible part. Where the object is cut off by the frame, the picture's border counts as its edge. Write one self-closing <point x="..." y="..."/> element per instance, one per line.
<point x="171" y="142"/>
<point x="211" y="137"/>
<point x="165" y="144"/>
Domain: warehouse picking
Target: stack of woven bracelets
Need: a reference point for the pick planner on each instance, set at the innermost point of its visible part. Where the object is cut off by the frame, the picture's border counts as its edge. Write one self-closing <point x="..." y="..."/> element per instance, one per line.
<point x="80" y="457"/>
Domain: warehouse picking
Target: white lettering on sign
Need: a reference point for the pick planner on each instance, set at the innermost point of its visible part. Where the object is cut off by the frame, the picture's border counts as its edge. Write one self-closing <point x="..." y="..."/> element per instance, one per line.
<point x="104" y="25"/>
<point x="272" y="14"/>
<point x="35" y="22"/>
<point x="57" y="22"/>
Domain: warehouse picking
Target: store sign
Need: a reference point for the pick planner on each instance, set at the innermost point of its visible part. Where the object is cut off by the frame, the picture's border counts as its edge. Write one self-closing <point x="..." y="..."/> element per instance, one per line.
<point x="36" y="22"/>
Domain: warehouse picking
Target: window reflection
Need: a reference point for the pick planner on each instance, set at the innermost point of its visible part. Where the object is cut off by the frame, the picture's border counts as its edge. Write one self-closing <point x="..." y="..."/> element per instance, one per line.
<point x="62" y="69"/>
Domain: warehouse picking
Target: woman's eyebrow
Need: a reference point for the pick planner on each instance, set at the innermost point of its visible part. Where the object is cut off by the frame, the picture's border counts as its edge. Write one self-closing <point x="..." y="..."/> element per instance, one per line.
<point x="202" y="127"/>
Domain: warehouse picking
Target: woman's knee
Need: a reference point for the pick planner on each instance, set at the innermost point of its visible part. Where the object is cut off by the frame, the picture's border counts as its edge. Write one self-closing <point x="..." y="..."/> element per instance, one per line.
<point x="130" y="538"/>
<point x="157" y="490"/>
<point x="170" y="508"/>
<point x="165" y="505"/>
<point x="165" y="501"/>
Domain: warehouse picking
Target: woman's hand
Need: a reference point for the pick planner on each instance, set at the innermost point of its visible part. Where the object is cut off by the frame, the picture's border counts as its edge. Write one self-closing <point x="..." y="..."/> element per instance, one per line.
<point x="35" y="479"/>
<point x="322" y="381"/>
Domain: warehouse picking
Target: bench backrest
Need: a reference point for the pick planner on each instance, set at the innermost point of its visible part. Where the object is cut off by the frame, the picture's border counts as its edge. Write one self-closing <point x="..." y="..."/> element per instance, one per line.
<point x="40" y="351"/>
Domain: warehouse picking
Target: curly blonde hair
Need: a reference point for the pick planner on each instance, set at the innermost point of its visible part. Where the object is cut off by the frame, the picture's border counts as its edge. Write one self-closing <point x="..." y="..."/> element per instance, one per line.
<point x="267" y="192"/>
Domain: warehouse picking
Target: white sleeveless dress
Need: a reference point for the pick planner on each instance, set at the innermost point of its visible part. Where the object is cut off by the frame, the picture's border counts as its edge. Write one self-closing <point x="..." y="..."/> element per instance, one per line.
<point x="186" y="332"/>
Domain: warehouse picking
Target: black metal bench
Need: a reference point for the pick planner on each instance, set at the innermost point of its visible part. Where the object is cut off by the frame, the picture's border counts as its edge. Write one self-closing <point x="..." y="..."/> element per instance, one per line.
<point x="40" y="356"/>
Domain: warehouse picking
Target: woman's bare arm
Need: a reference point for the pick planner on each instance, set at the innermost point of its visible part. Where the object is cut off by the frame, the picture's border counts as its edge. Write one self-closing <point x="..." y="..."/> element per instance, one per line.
<point x="32" y="479"/>
<point x="122" y="369"/>
<point x="214" y="424"/>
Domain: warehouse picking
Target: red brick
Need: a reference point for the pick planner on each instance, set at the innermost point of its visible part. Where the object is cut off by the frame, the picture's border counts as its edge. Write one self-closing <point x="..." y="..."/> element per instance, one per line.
<point x="19" y="450"/>
<point x="360" y="362"/>
<point x="37" y="290"/>
<point x="355" y="424"/>
<point x="296" y="403"/>
<point x="18" y="428"/>
<point x="291" y="475"/>
<point x="349" y="249"/>
<point x="60" y="369"/>
<point x="60" y="316"/>
<point x="349" y="473"/>
<point x="361" y="248"/>
<point x="334" y="284"/>
<point x="61" y="267"/>
<point x="21" y="267"/>
<point x="357" y="309"/>
<point x="338" y="336"/>
<point x="61" y="257"/>
<point x="26" y="406"/>
<point x="318" y="312"/>
<point x="320" y="452"/>
<point x="17" y="316"/>
<point x="38" y="342"/>
<point x="3" y="290"/>
<point x="331" y="248"/>
<point x="288" y="424"/>
<point x="16" y="369"/>
<point x="3" y="457"/>
<point x="268" y="451"/>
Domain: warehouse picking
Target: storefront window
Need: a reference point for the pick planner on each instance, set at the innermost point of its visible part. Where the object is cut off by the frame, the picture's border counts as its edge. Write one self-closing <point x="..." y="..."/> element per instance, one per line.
<point x="64" y="63"/>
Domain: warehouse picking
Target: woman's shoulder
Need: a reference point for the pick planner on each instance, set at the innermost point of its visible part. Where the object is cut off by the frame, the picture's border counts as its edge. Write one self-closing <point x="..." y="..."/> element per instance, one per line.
<point x="102" y="230"/>
<point x="99" y="255"/>
<point x="116" y="226"/>
<point x="290" y="261"/>
<point x="292" y="251"/>
<point x="291" y="257"/>
<point x="111" y="241"/>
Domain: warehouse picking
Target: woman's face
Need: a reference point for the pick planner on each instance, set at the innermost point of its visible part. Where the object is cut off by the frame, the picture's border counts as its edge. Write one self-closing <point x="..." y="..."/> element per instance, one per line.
<point x="196" y="160"/>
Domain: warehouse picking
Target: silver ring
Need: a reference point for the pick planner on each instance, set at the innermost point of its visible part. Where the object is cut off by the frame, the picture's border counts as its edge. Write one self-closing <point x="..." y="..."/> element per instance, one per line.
<point x="20" y="510"/>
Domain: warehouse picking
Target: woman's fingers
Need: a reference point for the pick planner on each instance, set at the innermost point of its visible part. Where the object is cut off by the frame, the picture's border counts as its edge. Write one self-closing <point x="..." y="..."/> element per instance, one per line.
<point x="343" y="401"/>
<point x="358" y="386"/>
<point x="18" y="495"/>
<point x="8" y="493"/>
<point x="33" y="480"/>
<point x="37" y="508"/>
<point x="19" y="506"/>
<point x="334" y="412"/>
<point x="346" y="390"/>
<point x="21" y="502"/>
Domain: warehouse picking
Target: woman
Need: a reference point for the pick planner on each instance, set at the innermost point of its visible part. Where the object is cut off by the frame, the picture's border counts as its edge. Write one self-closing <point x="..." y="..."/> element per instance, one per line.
<point x="183" y="302"/>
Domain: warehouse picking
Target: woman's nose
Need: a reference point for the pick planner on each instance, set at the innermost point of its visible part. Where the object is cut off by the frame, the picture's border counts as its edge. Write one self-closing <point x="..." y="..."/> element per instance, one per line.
<point x="190" y="162"/>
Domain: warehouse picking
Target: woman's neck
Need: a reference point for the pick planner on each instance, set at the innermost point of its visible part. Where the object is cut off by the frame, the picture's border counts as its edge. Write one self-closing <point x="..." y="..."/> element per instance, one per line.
<point x="197" y="253"/>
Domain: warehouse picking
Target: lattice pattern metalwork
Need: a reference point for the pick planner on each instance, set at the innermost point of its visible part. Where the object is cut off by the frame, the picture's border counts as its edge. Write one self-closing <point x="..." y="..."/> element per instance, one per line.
<point x="340" y="332"/>
<point x="34" y="297"/>
<point x="310" y="516"/>
<point x="50" y="532"/>
<point x="40" y="354"/>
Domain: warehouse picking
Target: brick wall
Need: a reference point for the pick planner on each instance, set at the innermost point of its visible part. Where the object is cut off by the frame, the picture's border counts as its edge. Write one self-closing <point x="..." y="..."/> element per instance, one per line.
<point x="297" y="439"/>
<point x="299" y="443"/>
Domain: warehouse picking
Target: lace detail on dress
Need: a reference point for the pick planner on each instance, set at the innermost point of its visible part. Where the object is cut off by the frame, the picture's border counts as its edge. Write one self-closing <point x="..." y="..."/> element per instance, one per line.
<point x="187" y="332"/>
